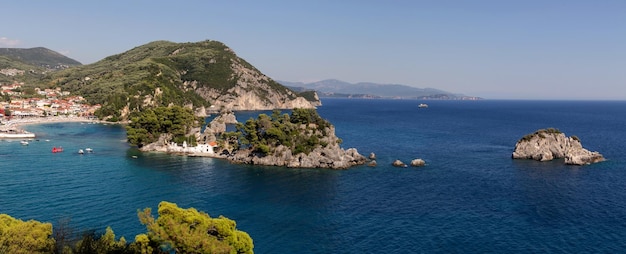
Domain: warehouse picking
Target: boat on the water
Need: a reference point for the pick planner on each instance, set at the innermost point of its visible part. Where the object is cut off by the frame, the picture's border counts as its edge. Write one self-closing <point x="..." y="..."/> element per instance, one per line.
<point x="24" y="142"/>
<point x="80" y="151"/>
<point x="57" y="149"/>
<point x="422" y="105"/>
<point x="89" y="150"/>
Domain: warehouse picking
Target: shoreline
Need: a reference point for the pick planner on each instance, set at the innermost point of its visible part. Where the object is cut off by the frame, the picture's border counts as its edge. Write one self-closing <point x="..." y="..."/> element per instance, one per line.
<point x="19" y="123"/>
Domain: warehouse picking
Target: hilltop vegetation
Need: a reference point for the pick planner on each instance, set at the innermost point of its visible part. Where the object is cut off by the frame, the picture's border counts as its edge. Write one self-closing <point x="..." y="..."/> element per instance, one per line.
<point x="163" y="73"/>
<point x="30" y="73"/>
<point x="204" y="75"/>
<point x="301" y="132"/>
<point x="176" y="230"/>
<point x="33" y="64"/>
<point x="139" y="78"/>
<point x="40" y="57"/>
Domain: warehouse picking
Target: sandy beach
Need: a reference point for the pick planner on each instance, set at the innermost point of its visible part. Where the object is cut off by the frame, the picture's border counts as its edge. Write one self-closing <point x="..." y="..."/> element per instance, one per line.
<point x="17" y="123"/>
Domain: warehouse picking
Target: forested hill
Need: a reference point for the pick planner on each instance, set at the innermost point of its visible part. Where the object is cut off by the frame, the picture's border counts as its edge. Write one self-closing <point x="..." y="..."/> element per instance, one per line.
<point x="206" y="75"/>
<point x="40" y="57"/>
<point x="30" y="65"/>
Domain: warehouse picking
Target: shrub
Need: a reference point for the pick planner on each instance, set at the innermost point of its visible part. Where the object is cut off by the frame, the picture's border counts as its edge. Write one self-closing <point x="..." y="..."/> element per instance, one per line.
<point x="17" y="236"/>
<point x="180" y="230"/>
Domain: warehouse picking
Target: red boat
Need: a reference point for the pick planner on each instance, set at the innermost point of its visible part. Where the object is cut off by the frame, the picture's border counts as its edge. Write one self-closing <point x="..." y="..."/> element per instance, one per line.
<point x="57" y="149"/>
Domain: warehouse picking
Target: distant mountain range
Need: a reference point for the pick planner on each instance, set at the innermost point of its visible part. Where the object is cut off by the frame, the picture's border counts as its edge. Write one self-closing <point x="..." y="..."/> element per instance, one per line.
<point x="338" y="88"/>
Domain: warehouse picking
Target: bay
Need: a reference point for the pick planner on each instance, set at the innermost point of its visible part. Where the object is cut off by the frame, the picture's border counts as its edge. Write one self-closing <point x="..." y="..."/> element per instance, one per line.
<point x="471" y="197"/>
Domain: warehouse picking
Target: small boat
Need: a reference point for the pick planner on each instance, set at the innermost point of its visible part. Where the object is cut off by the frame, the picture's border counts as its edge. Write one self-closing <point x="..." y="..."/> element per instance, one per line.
<point x="422" y="105"/>
<point x="24" y="142"/>
<point x="89" y="150"/>
<point x="57" y="149"/>
<point x="80" y="151"/>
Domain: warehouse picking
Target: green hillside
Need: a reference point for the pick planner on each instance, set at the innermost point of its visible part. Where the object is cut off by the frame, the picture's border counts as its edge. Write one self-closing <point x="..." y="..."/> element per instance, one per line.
<point x="159" y="73"/>
<point x="30" y="74"/>
<point x="40" y="57"/>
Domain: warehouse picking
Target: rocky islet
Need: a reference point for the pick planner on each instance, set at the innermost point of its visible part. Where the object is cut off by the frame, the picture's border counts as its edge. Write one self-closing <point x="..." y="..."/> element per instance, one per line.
<point x="549" y="144"/>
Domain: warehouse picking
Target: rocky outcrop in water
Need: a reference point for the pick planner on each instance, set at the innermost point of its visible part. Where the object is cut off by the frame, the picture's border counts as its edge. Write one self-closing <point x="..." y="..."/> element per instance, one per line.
<point x="329" y="156"/>
<point x="301" y="139"/>
<point x="372" y="163"/>
<point x="399" y="164"/>
<point x="549" y="144"/>
<point x="418" y="163"/>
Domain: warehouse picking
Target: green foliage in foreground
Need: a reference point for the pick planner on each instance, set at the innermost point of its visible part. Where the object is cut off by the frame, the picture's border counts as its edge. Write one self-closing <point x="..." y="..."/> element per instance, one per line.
<point x="302" y="132"/>
<point x="146" y="126"/>
<point x="176" y="230"/>
<point x="17" y="236"/>
<point x="191" y="231"/>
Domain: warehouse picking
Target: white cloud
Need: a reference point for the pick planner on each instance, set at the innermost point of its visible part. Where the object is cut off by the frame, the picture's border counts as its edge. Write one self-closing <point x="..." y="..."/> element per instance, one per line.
<point x="6" y="42"/>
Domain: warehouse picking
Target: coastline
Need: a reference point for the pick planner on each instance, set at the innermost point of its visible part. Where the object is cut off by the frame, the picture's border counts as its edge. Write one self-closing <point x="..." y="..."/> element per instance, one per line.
<point x="18" y="123"/>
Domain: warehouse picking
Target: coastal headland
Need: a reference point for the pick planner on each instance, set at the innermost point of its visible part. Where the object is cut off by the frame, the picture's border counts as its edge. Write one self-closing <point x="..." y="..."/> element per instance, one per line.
<point x="301" y="139"/>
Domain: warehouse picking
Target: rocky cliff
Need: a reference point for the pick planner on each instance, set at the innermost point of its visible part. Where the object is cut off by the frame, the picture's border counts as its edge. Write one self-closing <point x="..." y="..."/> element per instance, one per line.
<point x="252" y="91"/>
<point x="549" y="144"/>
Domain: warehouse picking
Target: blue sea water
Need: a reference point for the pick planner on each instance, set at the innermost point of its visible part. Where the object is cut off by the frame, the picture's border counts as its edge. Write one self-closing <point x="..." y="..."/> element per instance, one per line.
<point x="470" y="198"/>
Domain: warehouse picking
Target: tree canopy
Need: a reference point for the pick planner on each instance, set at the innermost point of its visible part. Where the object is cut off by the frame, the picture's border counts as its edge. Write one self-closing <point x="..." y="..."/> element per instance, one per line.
<point x="176" y="230"/>
<point x="146" y="126"/>
<point x="192" y="231"/>
<point x="302" y="131"/>
<point x="17" y="236"/>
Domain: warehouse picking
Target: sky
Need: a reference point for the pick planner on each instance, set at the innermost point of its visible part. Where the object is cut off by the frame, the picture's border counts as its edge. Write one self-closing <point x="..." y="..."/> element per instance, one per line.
<point x="500" y="49"/>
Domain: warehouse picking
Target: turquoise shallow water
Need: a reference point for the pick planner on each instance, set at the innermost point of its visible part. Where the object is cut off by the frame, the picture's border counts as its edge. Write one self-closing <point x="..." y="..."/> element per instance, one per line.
<point x="470" y="198"/>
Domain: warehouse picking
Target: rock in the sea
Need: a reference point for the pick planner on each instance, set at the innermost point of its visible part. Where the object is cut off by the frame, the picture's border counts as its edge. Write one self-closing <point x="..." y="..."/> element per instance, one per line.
<point x="372" y="156"/>
<point x="418" y="163"/>
<point x="372" y="163"/>
<point x="302" y="140"/>
<point x="399" y="163"/>
<point x="549" y="144"/>
<point x="583" y="157"/>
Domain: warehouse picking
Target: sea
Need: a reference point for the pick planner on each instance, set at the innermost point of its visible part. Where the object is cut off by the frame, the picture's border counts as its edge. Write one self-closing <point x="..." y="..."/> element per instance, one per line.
<point x="471" y="197"/>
